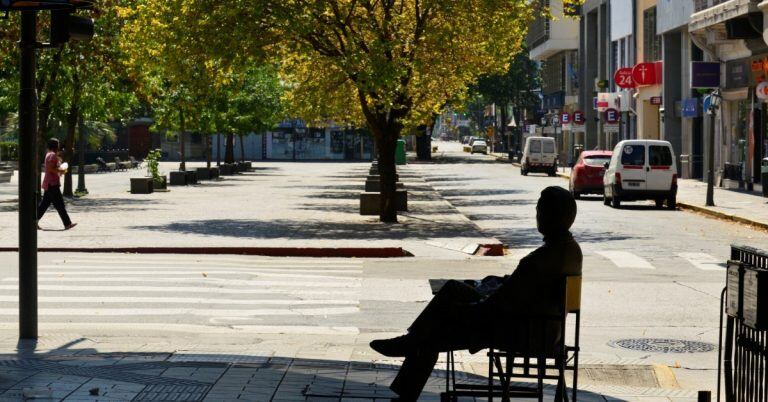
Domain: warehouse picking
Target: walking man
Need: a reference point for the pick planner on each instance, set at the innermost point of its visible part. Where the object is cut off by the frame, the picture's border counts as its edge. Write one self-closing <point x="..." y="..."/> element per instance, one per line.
<point x="52" y="186"/>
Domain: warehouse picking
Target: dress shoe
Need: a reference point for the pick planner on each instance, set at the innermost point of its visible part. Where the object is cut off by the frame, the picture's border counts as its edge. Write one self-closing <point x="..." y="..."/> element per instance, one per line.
<point x="400" y="346"/>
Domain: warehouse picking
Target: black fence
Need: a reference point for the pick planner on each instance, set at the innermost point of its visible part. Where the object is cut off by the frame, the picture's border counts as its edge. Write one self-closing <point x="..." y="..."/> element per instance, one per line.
<point x="744" y="328"/>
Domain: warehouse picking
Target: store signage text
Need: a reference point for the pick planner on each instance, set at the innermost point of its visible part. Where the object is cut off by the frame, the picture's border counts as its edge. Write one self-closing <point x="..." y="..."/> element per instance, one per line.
<point x="623" y="78"/>
<point x="705" y="74"/>
<point x="656" y="100"/>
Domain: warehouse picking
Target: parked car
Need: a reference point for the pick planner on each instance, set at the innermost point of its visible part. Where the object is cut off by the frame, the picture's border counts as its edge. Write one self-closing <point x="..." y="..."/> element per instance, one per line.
<point x="479" y="145"/>
<point x="641" y="170"/>
<point x="539" y="155"/>
<point x="587" y="173"/>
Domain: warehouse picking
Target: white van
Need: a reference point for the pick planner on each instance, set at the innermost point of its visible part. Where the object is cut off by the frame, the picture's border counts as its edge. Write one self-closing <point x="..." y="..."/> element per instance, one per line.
<point x="539" y="155"/>
<point x="641" y="170"/>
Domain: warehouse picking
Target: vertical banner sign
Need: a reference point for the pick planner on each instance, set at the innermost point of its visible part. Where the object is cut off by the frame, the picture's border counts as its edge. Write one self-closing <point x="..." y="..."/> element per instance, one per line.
<point x="705" y="74"/>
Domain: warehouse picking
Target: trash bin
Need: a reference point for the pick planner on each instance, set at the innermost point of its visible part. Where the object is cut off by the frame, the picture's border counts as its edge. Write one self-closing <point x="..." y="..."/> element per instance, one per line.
<point x="764" y="176"/>
<point x="400" y="152"/>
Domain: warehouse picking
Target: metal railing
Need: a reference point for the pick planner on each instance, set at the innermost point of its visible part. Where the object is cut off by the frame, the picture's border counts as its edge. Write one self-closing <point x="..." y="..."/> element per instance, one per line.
<point x="538" y="32"/>
<point x="743" y="349"/>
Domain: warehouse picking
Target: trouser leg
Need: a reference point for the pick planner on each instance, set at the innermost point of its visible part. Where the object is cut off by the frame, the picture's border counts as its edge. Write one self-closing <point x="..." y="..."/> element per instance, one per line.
<point x="438" y="309"/>
<point x="413" y="375"/>
<point x="44" y="204"/>
<point x="58" y="202"/>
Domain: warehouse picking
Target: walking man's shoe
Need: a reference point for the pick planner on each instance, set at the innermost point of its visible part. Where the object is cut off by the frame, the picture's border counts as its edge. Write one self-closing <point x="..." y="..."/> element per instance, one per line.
<point x="70" y="226"/>
<point x="400" y="346"/>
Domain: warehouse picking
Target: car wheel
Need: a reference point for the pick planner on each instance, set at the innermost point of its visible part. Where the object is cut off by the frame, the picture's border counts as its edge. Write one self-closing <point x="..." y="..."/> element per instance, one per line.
<point x="659" y="203"/>
<point x="672" y="202"/>
<point x="615" y="201"/>
<point x="523" y="172"/>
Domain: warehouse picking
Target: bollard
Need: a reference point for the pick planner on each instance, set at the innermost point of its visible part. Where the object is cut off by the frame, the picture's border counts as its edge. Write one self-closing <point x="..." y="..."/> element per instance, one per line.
<point x="705" y="396"/>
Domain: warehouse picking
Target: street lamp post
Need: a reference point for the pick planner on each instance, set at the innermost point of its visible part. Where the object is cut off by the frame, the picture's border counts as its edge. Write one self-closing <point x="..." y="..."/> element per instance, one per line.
<point x="63" y="28"/>
<point x="81" y="151"/>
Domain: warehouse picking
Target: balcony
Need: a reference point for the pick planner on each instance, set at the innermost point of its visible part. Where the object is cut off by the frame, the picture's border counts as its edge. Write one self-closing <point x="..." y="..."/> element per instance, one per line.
<point x="546" y="38"/>
<point x="538" y="32"/>
<point x="701" y="5"/>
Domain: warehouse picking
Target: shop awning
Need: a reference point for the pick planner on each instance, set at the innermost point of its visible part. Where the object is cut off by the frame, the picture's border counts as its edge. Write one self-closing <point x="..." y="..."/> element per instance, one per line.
<point x="721" y="13"/>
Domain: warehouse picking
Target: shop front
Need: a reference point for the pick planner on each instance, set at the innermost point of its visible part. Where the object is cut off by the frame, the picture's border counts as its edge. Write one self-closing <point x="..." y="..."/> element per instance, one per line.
<point x="648" y="81"/>
<point x="293" y="140"/>
<point x="745" y="114"/>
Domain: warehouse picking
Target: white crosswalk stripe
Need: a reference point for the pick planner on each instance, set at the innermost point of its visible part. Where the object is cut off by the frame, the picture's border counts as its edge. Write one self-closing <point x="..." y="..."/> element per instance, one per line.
<point x="626" y="259"/>
<point x="703" y="261"/>
<point x="268" y="294"/>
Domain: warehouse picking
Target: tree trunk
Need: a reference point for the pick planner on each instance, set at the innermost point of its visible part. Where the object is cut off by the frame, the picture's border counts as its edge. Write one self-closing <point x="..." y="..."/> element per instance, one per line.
<point x="242" y="149"/>
<point x="208" y="151"/>
<point x="229" y="154"/>
<point x="503" y="128"/>
<point x="387" y="143"/>
<point x="44" y="111"/>
<point x="69" y="150"/>
<point x="183" y="166"/>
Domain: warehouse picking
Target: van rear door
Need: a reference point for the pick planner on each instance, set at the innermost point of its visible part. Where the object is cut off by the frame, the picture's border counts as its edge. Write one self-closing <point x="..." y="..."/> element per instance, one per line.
<point x="659" y="171"/>
<point x="548" y="152"/>
<point x="534" y="152"/>
<point x="632" y="168"/>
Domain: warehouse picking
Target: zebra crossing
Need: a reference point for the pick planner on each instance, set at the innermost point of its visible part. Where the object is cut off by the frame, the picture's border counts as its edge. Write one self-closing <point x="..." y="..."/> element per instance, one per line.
<point x="628" y="260"/>
<point x="201" y="290"/>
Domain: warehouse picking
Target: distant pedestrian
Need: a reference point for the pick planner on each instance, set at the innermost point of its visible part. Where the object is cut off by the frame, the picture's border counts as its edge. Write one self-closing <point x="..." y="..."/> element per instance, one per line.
<point x="52" y="186"/>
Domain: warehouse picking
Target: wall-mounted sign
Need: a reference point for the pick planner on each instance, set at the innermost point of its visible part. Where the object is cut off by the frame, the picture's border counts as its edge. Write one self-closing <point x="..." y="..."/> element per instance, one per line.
<point x="645" y="74"/>
<point x="623" y="78"/>
<point x="578" y="118"/>
<point x="737" y="74"/>
<point x="608" y="100"/>
<point x="690" y="108"/>
<point x="565" y="118"/>
<point x="762" y="90"/>
<point x="657" y="100"/>
<point x="705" y="74"/>
<point x="611" y="128"/>
<point x="612" y="116"/>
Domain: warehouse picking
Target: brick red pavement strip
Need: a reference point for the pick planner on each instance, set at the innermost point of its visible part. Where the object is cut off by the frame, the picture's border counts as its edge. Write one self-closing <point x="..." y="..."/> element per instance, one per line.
<point x="349" y="252"/>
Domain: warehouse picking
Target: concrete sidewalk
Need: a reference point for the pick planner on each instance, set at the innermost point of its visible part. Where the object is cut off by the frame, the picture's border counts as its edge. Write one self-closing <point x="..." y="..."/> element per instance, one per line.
<point x="733" y="205"/>
<point x="278" y="205"/>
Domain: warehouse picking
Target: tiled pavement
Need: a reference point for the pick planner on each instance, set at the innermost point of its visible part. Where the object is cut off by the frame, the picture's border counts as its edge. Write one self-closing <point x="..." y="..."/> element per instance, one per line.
<point x="137" y="377"/>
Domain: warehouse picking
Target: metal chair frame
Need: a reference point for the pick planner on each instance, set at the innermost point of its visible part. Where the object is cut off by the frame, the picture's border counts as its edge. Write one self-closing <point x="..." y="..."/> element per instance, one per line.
<point x="502" y="364"/>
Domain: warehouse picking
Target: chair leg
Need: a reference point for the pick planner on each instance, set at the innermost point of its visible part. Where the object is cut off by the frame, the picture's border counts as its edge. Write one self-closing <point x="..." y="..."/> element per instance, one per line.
<point x="491" y="358"/>
<point x="447" y="372"/>
<point x="576" y="357"/>
<point x="540" y="372"/>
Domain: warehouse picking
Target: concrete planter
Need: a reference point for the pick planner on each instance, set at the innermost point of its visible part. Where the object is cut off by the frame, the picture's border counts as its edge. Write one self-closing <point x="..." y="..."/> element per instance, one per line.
<point x="178" y="178"/>
<point x="162" y="185"/>
<point x="242" y="167"/>
<point x="214" y="173"/>
<point x="141" y="185"/>
<point x="370" y="202"/>
<point x="378" y="177"/>
<point x="225" y="170"/>
<point x="374" y="186"/>
<point x="203" y="174"/>
<point x="191" y="177"/>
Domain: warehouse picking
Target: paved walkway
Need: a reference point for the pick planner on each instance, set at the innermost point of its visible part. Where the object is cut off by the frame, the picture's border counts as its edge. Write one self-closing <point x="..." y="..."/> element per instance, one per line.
<point x="739" y="206"/>
<point x="288" y="204"/>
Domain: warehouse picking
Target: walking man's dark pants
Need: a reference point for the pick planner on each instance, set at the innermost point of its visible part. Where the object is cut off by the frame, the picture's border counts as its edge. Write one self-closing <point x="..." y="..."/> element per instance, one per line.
<point x="53" y="196"/>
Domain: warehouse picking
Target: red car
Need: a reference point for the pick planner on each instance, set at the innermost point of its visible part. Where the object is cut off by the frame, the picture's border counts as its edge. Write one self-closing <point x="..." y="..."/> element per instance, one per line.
<point x="587" y="173"/>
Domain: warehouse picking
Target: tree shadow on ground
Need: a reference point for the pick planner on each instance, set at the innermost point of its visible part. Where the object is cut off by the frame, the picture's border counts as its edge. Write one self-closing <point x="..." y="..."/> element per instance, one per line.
<point x="108" y="205"/>
<point x="491" y="203"/>
<point x="355" y="195"/>
<point x="531" y="237"/>
<point x="294" y="229"/>
<point x="468" y="192"/>
<point x="455" y="160"/>
<point x="440" y="179"/>
<point x="166" y="376"/>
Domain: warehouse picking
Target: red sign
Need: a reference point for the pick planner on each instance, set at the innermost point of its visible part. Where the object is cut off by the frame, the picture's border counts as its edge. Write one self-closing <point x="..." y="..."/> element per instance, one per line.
<point x="656" y="100"/>
<point x="645" y="74"/>
<point x="612" y="116"/>
<point x="578" y="117"/>
<point x="565" y="118"/>
<point x="623" y="78"/>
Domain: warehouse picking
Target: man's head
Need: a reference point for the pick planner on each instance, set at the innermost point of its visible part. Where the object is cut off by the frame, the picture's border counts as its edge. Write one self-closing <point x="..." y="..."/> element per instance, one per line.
<point x="555" y="211"/>
<point x="53" y="145"/>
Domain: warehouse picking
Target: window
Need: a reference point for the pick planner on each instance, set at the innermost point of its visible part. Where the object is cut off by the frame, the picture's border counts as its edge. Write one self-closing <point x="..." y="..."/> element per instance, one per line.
<point x="651" y="41"/>
<point x="549" y="147"/>
<point x="535" y="146"/>
<point x="659" y="155"/>
<point x="597" y="160"/>
<point x="633" y="155"/>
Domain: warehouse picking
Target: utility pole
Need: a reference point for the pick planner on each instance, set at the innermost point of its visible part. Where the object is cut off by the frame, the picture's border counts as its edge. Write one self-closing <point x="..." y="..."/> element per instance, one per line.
<point x="27" y="178"/>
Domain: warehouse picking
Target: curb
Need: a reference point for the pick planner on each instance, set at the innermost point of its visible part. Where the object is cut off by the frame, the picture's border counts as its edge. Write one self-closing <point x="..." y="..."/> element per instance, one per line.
<point x="382" y="252"/>
<point x="721" y="215"/>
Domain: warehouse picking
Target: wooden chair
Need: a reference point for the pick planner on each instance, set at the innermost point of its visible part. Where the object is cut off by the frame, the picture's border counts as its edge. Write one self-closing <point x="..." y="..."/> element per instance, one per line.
<point x="103" y="167"/>
<point x="538" y="361"/>
<point x="120" y="165"/>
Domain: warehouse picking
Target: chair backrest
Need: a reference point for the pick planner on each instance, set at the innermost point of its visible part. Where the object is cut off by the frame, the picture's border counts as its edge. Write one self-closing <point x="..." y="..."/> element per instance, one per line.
<point x="117" y="159"/>
<point x="572" y="294"/>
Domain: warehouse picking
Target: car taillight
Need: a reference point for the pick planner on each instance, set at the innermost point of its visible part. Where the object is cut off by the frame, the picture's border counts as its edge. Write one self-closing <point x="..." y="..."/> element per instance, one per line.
<point x="618" y="178"/>
<point x="674" y="179"/>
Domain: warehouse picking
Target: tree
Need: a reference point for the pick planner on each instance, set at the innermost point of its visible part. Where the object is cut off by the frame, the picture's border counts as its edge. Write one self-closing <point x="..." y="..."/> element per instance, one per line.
<point x="513" y="87"/>
<point x="392" y="64"/>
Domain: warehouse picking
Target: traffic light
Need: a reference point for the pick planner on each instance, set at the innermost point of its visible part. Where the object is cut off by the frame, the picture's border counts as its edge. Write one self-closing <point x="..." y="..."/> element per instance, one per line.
<point x="66" y="27"/>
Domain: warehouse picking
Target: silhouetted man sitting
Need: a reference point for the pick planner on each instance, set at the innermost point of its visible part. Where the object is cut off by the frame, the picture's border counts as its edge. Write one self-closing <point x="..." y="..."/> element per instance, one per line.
<point x="461" y="316"/>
